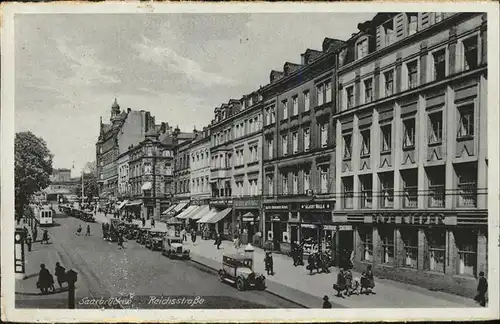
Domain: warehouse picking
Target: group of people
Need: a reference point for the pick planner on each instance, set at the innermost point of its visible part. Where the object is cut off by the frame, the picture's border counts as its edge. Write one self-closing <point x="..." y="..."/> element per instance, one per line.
<point x="29" y="240"/>
<point x="184" y="234"/>
<point x="318" y="261"/>
<point x="110" y="232"/>
<point x="80" y="229"/>
<point x="346" y="285"/>
<point x="46" y="281"/>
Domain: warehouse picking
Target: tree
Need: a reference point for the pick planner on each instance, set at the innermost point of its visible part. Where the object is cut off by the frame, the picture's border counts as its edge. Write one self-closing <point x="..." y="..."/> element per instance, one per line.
<point x="33" y="167"/>
<point x="89" y="182"/>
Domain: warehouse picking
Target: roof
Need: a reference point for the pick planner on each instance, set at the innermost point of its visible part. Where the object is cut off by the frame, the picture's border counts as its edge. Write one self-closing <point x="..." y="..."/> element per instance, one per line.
<point x="237" y="256"/>
<point x="152" y="132"/>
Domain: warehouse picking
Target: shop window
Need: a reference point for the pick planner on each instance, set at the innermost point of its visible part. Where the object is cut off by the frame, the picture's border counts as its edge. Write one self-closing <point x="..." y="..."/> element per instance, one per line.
<point x="284" y="144"/>
<point x="365" y="142"/>
<point x="368" y="84"/>
<point x="410" y="188"/>
<point x="366" y="235"/>
<point x="412" y="68"/>
<point x="285" y="109"/>
<point x="387" y="238"/>
<point x="295" y="180"/>
<point x="307" y="180"/>
<point x="324" y="179"/>
<point x="320" y="90"/>
<point x="307" y="101"/>
<point x="366" y="191"/>
<point x="409" y="133"/>
<point x="323" y="129"/>
<point x="470" y="53"/>
<point x="389" y="83"/>
<point x="410" y="242"/>
<point x="466" y="121"/>
<point x="389" y="32"/>
<point x="386" y="138"/>
<point x="437" y="249"/>
<point x="439" y="66"/>
<point x="295" y="142"/>
<point x="362" y="48"/>
<point x="436" y="128"/>
<point x="467" y="184"/>
<point x="347" y="146"/>
<point x="284" y="183"/>
<point x="387" y="190"/>
<point x="350" y="97"/>
<point x="295" y="102"/>
<point x="348" y="188"/>
<point x="307" y="139"/>
<point x="466" y="242"/>
<point x="412" y="23"/>
<point x="436" y="178"/>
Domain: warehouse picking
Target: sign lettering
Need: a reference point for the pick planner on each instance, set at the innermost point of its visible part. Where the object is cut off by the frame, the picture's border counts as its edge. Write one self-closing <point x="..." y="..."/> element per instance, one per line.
<point x="276" y="207"/>
<point x="315" y="206"/>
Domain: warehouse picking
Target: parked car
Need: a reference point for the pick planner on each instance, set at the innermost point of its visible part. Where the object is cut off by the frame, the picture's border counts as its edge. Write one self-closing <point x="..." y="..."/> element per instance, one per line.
<point x="154" y="240"/>
<point x="131" y="231"/>
<point x="173" y="248"/>
<point x="238" y="269"/>
<point x="142" y="235"/>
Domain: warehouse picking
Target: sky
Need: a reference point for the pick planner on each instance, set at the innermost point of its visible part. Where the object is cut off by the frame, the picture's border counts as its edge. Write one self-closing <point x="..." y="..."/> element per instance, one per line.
<point x="70" y="67"/>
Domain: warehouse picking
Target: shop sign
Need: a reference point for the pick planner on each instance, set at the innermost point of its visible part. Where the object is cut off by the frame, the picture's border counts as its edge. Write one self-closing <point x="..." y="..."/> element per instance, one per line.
<point x="330" y="227"/>
<point x="423" y="218"/>
<point x="276" y="207"/>
<point x="248" y="219"/>
<point x="247" y="203"/>
<point x="345" y="228"/>
<point x="308" y="225"/>
<point x="318" y="206"/>
<point x="337" y="227"/>
<point x="221" y="201"/>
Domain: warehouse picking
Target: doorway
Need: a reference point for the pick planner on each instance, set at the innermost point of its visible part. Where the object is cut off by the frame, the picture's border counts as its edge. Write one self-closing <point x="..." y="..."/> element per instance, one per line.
<point x="277" y="236"/>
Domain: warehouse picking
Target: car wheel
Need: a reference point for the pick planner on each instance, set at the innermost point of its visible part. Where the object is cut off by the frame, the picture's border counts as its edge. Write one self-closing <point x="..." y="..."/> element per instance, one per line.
<point x="240" y="284"/>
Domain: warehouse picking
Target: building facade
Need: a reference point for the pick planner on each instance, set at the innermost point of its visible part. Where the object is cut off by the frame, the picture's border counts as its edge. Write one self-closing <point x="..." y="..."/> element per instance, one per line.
<point x="199" y="149"/>
<point x="299" y="149"/>
<point x="411" y="162"/>
<point x="182" y="165"/>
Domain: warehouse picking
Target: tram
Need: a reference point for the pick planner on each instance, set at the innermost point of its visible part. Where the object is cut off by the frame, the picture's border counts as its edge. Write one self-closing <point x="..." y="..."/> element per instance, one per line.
<point x="45" y="216"/>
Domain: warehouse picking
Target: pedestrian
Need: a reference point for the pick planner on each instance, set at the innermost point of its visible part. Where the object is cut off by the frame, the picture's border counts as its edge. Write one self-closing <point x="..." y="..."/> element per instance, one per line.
<point x="311" y="263"/>
<point x="152" y="222"/>
<point x="35" y="234"/>
<point x="45" y="237"/>
<point x="44" y="279"/>
<point x="340" y="285"/>
<point x="193" y="236"/>
<point x="218" y="240"/>
<point x="184" y="234"/>
<point x="268" y="261"/>
<point x="143" y="222"/>
<point x="103" y="227"/>
<point x="25" y="230"/>
<point x="88" y="230"/>
<point x="326" y="302"/>
<point x="79" y="230"/>
<point x="28" y="242"/>
<point x="60" y="273"/>
<point x="482" y="288"/>
<point x="324" y="262"/>
<point x="367" y="280"/>
<point x="236" y="243"/>
<point x="120" y="240"/>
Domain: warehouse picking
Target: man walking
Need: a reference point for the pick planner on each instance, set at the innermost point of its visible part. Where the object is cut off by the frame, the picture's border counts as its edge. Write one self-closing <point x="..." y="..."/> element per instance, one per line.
<point x="482" y="288"/>
<point x="60" y="273"/>
<point x="45" y="237"/>
<point x="28" y="242"/>
<point x="152" y="222"/>
<point x="88" y="230"/>
<point x="35" y="234"/>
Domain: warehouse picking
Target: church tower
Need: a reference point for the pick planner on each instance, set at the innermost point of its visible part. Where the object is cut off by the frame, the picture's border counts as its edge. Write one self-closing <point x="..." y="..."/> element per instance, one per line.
<point x="115" y="111"/>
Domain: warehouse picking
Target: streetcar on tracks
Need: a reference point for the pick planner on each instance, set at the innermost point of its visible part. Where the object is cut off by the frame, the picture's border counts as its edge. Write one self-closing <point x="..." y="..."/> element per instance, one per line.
<point x="44" y="216"/>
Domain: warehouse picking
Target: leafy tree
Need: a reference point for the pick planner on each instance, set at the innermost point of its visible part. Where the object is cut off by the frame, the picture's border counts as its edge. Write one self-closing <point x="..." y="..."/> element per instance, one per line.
<point x="89" y="182"/>
<point x="33" y="167"/>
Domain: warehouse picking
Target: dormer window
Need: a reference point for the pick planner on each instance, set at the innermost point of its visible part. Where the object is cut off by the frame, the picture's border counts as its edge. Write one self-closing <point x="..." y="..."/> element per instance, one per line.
<point x="362" y="49"/>
<point x="389" y="33"/>
<point x="224" y="114"/>
<point x="412" y="23"/>
<point x="250" y="102"/>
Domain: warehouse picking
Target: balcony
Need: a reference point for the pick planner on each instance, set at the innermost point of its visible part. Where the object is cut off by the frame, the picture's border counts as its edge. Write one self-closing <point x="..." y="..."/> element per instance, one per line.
<point x="220" y="173"/>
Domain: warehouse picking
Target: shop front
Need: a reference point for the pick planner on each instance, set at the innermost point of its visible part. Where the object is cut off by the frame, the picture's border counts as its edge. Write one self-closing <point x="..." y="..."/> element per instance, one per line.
<point x="133" y="209"/>
<point x="224" y="222"/>
<point x="316" y="232"/>
<point x="276" y="218"/>
<point x="248" y="220"/>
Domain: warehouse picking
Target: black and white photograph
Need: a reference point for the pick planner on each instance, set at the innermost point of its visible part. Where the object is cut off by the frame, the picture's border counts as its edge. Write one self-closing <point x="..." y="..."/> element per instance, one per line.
<point x="220" y="162"/>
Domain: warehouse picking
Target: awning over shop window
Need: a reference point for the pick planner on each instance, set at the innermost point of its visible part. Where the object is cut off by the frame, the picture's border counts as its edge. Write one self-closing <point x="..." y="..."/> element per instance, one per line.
<point x="186" y="212"/>
<point x="211" y="213"/>
<point x="146" y="186"/>
<point x="173" y="221"/>
<point x="200" y="212"/>
<point x="122" y="204"/>
<point x="169" y="209"/>
<point x="219" y="216"/>
<point x="179" y="207"/>
<point x="134" y="203"/>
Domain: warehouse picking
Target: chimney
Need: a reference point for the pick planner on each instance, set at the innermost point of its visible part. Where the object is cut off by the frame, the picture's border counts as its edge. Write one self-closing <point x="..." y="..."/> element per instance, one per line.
<point x="303" y="59"/>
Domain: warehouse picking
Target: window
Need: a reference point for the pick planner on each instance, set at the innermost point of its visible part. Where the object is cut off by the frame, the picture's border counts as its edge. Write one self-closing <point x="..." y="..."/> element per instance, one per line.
<point x="366" y="235"/>
<point x="350" y="96"/>
<point x="387" y="190"/>
<point x="437" y="248"/>
<point x="295" y="142"/>
<point x="466" y="241"/>
<point x="387" y="238"/>
<point x="470" y="53"/>
<point x="320" y="94"/>
<point x="368" y="90"/>
<point x="365" y="142"/>
<point x="307" y="139"/>
<point x="295" y="102"/>
<point x="168" y="170"/>
<point x="307" y="177"/>
<point x="328" y="91"/>
<point x="436" y="128"/>
<point x="412" y="23"/>
<point x="295" y="183"/>
<point x="268" y="116"/>
<point x="386" y="138"/>
<point x="324" y="179"/>
<point x="410" y="188"/>
<point x="366" y="191"/>
<point x="347" y="146"/>
<point x="307" y="103"/>
<point x="409" y="133"/>
<point x="285" y="109"/>
<point x="466" y="122"/>
<point x="348" y="189"/>
<point x="389" y="82"/>
<point x="324" y="135"/>
<point x="147" y="168"/>
<point x="273" y="115"/>
<point x="439" y="64"/>
<point x="436" y="178"/>
<point x="467" y="185"/>
<point x="412" y="68"/>
<point x="389" y="33"/>
<point x="284" y="183"/>
<point x="270" y="185"/>
<point x="269" y="148"/>
<point x="284" y="144"/>
<point x="362" y="49"/>
<point x="410" y="243"/>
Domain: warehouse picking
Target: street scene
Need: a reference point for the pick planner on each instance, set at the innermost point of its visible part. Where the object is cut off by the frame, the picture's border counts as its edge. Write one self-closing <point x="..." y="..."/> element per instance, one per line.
<point x="199" y="161"/>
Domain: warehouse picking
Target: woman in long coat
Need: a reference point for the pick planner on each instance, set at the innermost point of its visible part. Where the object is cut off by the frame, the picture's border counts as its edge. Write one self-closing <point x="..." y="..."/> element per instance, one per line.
<point x="367" y="280"/>
<point x="45" y="279"/>
<point x="340" y="286"/>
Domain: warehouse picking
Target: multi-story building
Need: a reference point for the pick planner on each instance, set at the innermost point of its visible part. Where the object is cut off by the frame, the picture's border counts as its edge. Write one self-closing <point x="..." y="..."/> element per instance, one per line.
<point x="199" y="149"/>
<point x="411" y="158"/>
<point x="123" y="175"/>
<point x="299" y="149"/>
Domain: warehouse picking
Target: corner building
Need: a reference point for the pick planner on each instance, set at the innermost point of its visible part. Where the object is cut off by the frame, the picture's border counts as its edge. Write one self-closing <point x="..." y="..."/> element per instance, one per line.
<point x="299" y="150"/>
<point x="411" y="138"/>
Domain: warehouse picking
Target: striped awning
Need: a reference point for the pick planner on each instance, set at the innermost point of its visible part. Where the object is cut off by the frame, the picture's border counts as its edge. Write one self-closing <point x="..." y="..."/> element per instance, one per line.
<point x="169" y="209"/>
<point x="186" y="212"/>
<point x="219" y="216"/>
<point x="211" y="213"/>
<point x="200" y="212"/>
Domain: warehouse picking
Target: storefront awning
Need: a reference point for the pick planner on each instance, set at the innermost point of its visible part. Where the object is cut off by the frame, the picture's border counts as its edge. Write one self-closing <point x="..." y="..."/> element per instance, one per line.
<point x="179" y="207"/>
<point x="219" y="216"/>
<point x="146" y="186"/>
<point x="186" y="212"/>
<point x="122" y="204"/>
<point x="173" y="221"/>
<point x="211" y="213"/>
<point x="200" y="212"/>
<point x="169" y="209"/>
<point x="134" y="203"/>
<point x="248" y="215"/>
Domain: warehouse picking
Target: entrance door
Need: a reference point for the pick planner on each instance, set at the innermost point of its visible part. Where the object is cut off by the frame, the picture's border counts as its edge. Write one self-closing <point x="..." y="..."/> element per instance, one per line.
<point x="344" y="247"/>
<point x="294" y="235"/>
<point x="277" y="236"/>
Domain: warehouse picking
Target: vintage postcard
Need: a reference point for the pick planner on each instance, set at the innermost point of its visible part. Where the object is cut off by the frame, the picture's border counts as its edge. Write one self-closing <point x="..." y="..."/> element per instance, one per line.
<point x="254" y="162"/>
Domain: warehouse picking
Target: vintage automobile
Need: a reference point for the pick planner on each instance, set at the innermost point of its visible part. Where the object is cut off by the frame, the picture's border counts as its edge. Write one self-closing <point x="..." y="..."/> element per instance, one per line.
<point x="238" y="269"/>
<point x="131" y="231"/>
<point x="142" y="235"/>
<point x="154" y="240"/>
<point x="173" y="248"/>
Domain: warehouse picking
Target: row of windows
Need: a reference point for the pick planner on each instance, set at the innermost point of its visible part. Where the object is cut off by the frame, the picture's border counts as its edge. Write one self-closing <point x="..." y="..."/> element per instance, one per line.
<point x="200" y="185"/>
<point x="246" y="188"/>
<point x="200" y="159"/>
<point x="241" y="156"/>
<point x="248" y="126"/>
<point x="298" y="182"/>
